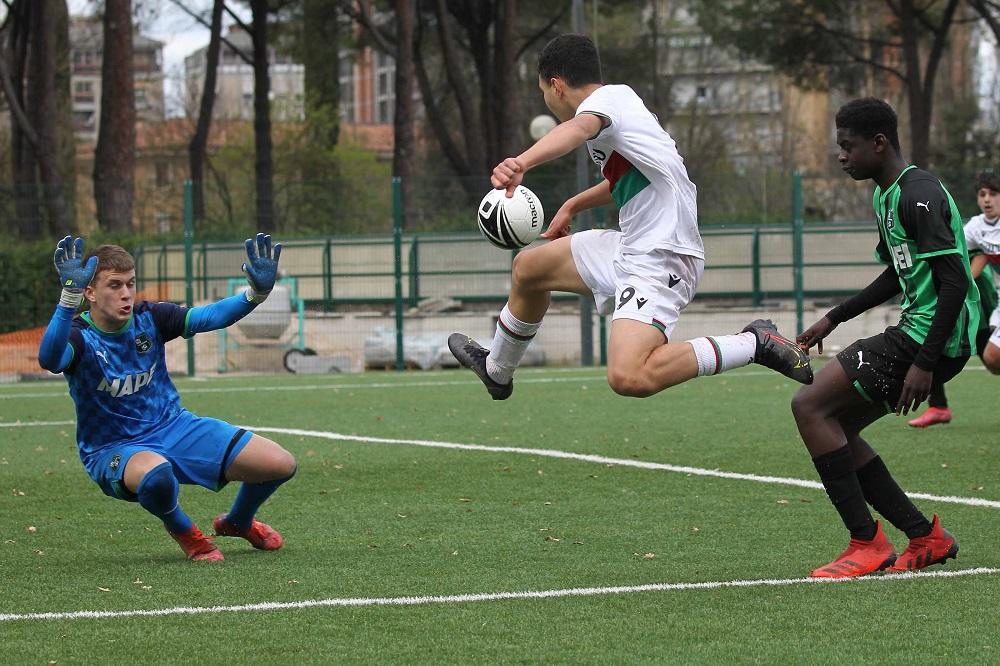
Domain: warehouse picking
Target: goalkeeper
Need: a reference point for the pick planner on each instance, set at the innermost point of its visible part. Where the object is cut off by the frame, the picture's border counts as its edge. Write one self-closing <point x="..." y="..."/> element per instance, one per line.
<point x="136" y="440"/>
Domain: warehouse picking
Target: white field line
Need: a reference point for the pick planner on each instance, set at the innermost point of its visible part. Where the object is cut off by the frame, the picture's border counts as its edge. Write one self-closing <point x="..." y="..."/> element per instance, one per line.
<point x="9" y="394"/>
<point x="379" y="385"/>
<point x="620" y="462"/>
<point x="490" y="596"/>
<point x="331" y="387"/>
<point x="568" y="455"/>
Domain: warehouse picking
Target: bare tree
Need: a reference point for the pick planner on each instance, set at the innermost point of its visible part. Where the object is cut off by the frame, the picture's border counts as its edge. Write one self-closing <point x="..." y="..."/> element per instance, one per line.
<point x="904" y="39"/>
<point x="114" y="159"/>
<point x="34" y="76"/>
<point x="199" y="142"/>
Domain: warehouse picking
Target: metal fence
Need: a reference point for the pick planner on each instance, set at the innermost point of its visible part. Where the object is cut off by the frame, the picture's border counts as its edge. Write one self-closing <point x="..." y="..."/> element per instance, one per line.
<point x="389" y="300"/>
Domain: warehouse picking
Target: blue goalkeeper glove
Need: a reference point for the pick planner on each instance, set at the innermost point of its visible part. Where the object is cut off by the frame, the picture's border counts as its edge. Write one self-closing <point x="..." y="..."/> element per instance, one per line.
<point x="261" y="267"/>
<point x="74" y="276"/>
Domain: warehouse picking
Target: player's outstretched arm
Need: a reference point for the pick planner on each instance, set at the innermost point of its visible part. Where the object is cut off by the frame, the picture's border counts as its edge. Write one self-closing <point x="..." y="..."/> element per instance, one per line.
<point x="261" y="269"/>
<point x="564" y="138"/>
<point x="55" y="352"/>
<point x="976" y="265"/>
<point x="881" y="289"/>
<point x="598" y="195"/>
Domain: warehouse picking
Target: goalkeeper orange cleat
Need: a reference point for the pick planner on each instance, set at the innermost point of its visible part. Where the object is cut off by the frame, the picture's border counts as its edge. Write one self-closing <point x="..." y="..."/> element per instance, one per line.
<point x="924" y="551"/>
<point x="933" y="416"/>
<point x="197" y="546"/>
<point x="861" y="558"/>
<point x="260" y="535"/>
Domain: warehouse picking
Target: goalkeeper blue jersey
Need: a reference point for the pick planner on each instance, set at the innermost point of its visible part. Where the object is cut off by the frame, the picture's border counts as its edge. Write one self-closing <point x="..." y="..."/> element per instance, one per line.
<point x="119" y="379"/>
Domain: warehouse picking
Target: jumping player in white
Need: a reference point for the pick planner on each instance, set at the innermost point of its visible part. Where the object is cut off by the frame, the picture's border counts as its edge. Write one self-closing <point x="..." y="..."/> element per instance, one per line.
<point x="646" y="273"/>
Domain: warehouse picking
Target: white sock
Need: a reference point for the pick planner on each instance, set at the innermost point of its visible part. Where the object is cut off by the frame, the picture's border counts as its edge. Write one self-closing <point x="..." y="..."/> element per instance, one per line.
<point x="724" y="352"/>
<point x="509" y="344"/>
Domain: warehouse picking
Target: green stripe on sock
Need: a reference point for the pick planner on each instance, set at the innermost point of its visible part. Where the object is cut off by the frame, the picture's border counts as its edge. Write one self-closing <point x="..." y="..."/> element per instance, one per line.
<point x="718" y="355"/>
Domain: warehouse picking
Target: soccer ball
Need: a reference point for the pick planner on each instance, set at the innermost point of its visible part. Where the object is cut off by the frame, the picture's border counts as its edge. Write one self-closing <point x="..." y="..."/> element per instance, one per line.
<point x="511" y="223"/>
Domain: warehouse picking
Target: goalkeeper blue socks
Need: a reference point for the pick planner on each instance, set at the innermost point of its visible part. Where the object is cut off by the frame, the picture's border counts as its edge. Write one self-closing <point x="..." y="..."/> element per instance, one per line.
<point x="248" y="500"/>
<point x="158" y="494"/>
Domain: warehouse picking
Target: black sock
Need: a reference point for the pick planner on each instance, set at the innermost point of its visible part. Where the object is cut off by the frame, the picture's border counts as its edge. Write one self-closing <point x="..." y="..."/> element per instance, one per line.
<point x="886" y="497"/>
<point x="836" y="471"/>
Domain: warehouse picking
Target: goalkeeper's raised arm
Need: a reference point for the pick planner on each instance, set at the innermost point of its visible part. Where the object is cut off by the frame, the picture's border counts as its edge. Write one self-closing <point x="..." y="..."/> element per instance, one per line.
<point x="261" y="270"/>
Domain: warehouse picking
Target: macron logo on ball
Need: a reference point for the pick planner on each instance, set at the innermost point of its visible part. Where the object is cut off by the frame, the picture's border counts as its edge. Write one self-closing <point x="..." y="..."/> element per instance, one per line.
<point x="128" y="385"/>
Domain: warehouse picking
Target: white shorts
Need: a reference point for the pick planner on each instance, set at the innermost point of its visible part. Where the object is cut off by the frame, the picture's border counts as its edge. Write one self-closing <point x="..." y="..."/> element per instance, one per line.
<point x="651" y="287"/>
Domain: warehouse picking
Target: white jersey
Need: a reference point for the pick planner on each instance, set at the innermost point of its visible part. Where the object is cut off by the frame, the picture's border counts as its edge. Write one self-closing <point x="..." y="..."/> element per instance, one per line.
<point x="657" y="202"/>
<point x="983" y="236"/>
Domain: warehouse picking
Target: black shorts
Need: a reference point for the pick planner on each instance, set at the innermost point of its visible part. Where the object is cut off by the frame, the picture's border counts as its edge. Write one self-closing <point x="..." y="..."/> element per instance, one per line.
<point x="877" y="366"/>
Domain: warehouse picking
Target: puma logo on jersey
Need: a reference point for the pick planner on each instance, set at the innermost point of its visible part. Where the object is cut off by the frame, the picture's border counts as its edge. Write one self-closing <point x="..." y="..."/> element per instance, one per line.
<point x="120" y="387"/>
<point x="861" y="360"/>
<point x="99" y="354"/>
<point x="925" y="205"/>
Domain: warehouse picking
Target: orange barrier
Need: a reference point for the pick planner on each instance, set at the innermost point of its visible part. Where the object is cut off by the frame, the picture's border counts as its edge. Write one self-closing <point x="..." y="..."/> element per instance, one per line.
<point x="19" y="351"/>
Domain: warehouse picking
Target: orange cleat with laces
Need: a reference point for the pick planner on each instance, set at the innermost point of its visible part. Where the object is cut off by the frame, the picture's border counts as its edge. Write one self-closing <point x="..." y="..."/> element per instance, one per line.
<point x="861" y="558"/>
<point x="924" y="551"/>
<point x="197" y="546"/>
<point x="260" y="535"/>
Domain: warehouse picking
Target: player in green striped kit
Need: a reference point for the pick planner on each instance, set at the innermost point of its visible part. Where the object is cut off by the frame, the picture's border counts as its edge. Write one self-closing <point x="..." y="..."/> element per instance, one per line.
<point x="922" y="244"/>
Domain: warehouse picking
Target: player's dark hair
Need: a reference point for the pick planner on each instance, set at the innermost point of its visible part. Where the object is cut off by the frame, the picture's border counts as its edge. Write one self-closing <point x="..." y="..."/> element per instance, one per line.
<point x="989" y="180"/>
<point x="572" y="58"/>
<point x="111" y="258"/>
<point x="869" y="116"/>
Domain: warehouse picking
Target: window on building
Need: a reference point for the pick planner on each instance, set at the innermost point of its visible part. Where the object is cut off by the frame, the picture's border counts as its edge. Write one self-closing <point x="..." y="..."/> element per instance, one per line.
<point x="164" y="221"/>
<point x="385" y="73"/>
<point x="162" y="174"/>
<point x="346" y="78"/>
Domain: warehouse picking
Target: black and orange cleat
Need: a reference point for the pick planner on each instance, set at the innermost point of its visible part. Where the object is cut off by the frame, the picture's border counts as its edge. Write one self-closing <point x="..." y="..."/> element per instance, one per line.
<point x="935" y="548"/>
<point x="778" y="352"/>
<point x="861" y="558"/>
<point x="260" y="535"/>
<point x="197" y="546"/>
<point x="472" y="355"/>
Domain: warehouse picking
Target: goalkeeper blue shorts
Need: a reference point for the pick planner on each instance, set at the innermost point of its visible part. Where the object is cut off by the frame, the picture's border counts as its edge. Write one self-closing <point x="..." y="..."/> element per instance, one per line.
<point x="199" y="448"/>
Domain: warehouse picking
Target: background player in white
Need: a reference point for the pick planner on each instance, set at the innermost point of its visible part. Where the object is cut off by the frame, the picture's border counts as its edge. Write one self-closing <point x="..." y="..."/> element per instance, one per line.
<point x="136" y="441"/>
<point x="647" y="273"/>
<point x="982" y="236"/>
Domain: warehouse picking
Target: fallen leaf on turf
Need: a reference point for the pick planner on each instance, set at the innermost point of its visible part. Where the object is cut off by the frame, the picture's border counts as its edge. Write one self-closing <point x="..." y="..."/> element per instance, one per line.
<point x="400" y="515"/>
<point x="147" y="587"/>
<point x="39" y="552"/>
<point x="104" y="589"/>
<point x="782" y="501"/>
<point x="454" y="552"/>
<point x="137" y="582"/>
<point x="32" y="529"/>
<point x="552" y="538"/>
<point x="464" y="499"/>
<point x="16" y="493"/>
<point x="293" y="582"/>
<point x="577" y="543"/>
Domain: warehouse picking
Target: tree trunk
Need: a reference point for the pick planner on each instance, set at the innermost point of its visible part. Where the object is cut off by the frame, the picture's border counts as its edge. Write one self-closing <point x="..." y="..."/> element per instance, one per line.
<point x="199" y="142"/>
<point x="262" y="118"/>
<point x="114" y="158"/>
<point x="403" y="152"/>
<point x="27" y="207"/>
<point x="43" y="107"/>
<point x="320" y="35"/>
<point x="65" y="136"/>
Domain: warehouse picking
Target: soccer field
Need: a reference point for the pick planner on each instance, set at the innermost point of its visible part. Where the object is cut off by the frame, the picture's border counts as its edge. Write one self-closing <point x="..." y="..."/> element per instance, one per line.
<point x="428" y="524"/>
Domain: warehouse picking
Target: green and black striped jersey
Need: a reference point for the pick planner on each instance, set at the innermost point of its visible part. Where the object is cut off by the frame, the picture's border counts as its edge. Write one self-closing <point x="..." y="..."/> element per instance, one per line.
<point x="918" y="220"/>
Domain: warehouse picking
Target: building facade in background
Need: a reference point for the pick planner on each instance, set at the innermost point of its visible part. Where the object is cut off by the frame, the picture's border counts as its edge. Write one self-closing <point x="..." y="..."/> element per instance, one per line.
<point x="235" y="81"/>
<point x="86" y="48"/>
